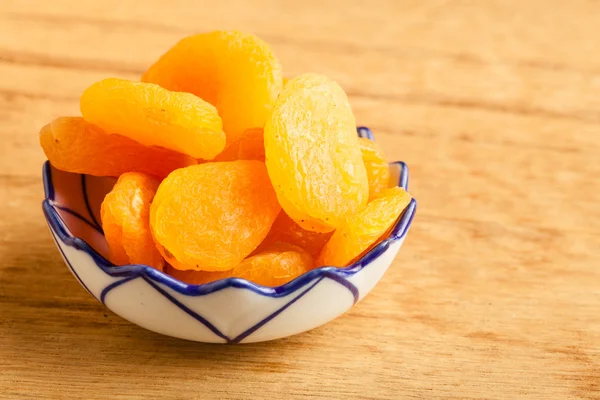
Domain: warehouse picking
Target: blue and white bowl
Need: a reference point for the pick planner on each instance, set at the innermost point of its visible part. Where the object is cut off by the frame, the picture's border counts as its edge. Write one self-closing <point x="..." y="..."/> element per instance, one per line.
<point x="231" y="310"/>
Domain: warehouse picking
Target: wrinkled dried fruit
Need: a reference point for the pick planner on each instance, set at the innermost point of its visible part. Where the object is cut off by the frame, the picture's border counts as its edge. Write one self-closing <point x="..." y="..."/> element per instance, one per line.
<point x="250" y="146"/>
<point x="125" y="219"/>
<point x="211" y="216"/>
<point x="378" y="170"/>
<point x="154" y="116"/>
<point x="285" y="230"/>
<point x="74" y="145"/>
<point x="313" y="155"/>
<point x="364" y="229"/>
<point x="274" y="266"/>
<point x="236" y="72"/>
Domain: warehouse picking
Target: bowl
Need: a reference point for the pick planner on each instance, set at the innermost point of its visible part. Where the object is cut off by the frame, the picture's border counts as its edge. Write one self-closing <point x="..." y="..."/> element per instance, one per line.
<point x="231" y="310"/>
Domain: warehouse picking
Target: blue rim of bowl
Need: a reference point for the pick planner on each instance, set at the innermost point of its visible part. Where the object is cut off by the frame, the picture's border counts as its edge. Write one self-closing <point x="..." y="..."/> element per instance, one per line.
<point x="136" y="270"/>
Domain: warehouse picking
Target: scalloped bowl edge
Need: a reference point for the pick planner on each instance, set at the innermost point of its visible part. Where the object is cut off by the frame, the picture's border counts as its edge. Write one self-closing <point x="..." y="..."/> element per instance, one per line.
<point x="231" y="310"/>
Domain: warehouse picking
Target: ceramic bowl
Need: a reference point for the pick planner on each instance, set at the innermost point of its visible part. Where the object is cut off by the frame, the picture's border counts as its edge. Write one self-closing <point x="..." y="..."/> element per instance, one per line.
<point x="227" y="311"/>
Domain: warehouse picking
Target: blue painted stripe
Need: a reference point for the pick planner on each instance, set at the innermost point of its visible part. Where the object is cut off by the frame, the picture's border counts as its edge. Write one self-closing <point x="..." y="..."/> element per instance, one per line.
<point x="365" y="132"/>
<point x="80" y="217"/>
<point x="187" y="310"/>
<point x="113" y="285"/>
<point x="47" y="175"/>
<point x="401" y="228"/>
<point x="66" y="260"/>
<point x="256" y="327"/>
<point x="403" y="176"/>
<point x="87" y="203"/>
<point x="345" y="283"/>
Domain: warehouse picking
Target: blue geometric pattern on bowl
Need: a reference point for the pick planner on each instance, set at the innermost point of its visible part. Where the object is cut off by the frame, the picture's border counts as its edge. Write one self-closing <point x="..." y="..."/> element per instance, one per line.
<point x="71" y="208"/>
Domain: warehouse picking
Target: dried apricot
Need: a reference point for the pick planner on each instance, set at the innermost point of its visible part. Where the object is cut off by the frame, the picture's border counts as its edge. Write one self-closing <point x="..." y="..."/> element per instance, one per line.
<point x="274" y="266"/>
<point x="250" y="146"/>
<point x="312" y="154"/>
<point x="125" y="219"/>
<point x="364" y="229"/>
<point x="154" y="116"/>
<point x="378" y="170"/>
<point x="74" y="145"/>
<point x="285" y="230"/>
<point x="236" y="72"/>
<point x="211" y="216"/>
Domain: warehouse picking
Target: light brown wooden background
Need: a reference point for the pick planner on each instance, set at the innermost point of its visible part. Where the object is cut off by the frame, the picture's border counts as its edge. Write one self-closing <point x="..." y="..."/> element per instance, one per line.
<point x="495" y="105"/>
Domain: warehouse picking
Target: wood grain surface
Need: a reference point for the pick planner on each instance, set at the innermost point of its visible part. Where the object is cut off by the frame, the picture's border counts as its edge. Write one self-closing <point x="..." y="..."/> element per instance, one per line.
<point x="495" y="106"/>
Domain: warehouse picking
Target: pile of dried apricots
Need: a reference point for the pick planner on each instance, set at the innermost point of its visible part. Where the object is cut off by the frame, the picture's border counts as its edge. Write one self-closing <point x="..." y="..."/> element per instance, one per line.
<point x="225" y="168"/>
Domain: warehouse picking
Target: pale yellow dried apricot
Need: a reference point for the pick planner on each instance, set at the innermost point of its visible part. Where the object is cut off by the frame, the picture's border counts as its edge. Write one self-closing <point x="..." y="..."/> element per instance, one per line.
<point x="378" y="170"/>
<point x="313" y="154"/>
<point x="74" y="145"/>
<point x="234" y="71"/>
<point x="364" y="229"/>
<point x="211" y="216"/>
<point x="154" y="116"/>
<point x="274" y="266"/>
<point x="125" y="215"/>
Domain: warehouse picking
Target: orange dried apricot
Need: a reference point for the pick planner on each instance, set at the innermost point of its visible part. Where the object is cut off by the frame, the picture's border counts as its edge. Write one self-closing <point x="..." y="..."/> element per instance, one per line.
<point x="154" y="116"/>
<point x="362" y="230"/>
<point x="74" y="145"/>
<point x="285" y="230"/>
<point x="313" y="155"/>
<point x="125" y="219"/>
<point x="236" y="72"/>
<point x="250" y="146"/>
<point x="274" y="266"/>
<point x="211" y="216"/>
<point x="378" y="170"/>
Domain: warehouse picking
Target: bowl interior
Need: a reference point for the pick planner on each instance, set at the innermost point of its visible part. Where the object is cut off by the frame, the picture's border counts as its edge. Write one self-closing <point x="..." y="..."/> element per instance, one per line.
<point x="77" y="199"/>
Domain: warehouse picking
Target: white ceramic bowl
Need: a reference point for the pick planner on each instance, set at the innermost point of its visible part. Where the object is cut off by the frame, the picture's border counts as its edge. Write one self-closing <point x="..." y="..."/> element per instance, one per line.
<point x="227" y="311"/>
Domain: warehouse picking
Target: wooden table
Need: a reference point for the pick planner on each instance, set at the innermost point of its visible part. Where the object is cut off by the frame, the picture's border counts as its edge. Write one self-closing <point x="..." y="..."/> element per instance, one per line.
<point x="496" y="293"/>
